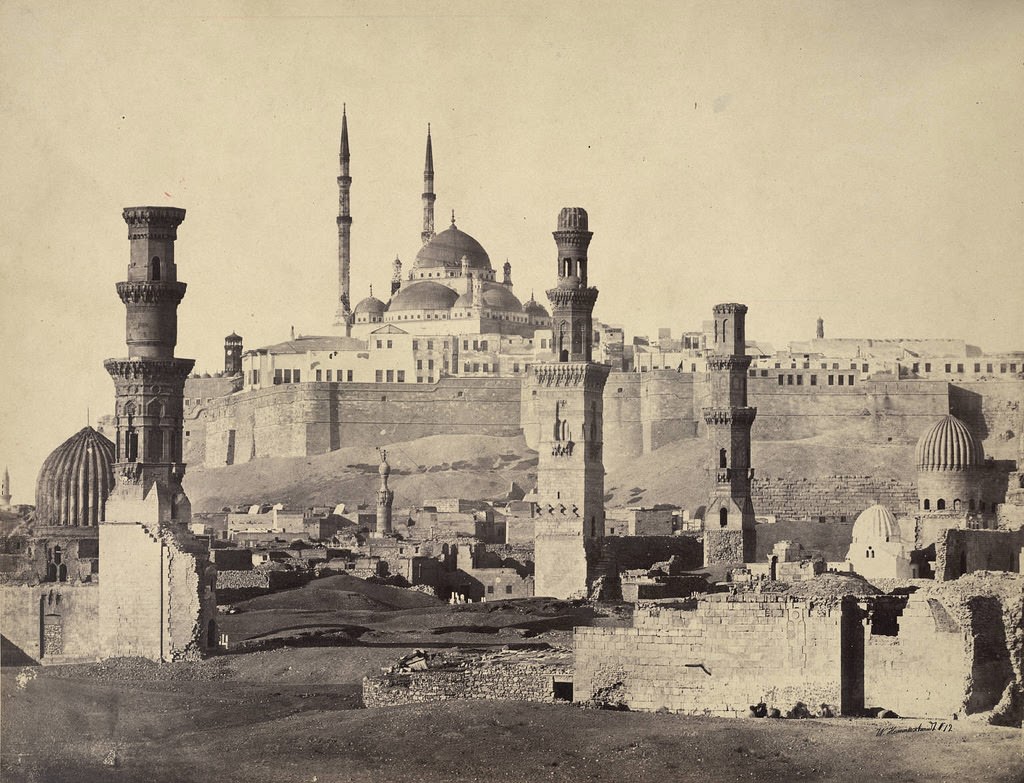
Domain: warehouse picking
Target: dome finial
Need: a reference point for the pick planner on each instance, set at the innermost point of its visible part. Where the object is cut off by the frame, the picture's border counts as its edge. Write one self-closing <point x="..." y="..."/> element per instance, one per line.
<point x="453" y="218"/>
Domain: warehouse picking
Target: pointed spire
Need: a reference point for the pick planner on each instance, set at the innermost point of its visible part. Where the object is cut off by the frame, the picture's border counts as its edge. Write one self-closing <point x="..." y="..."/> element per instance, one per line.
<point x="428" y="192"/>
<point x="344" y="135"/>
<point x="428" y="165"/>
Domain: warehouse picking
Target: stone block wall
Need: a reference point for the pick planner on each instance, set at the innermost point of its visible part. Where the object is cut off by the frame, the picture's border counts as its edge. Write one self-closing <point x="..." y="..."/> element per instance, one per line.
<point x="496" y="683"/>
<point x="635" y="552"/>
<point x="959" y="552"/>
<point x="51" y="623"/>
<point x="717" y="656"/>
<point x="832" y="497"/>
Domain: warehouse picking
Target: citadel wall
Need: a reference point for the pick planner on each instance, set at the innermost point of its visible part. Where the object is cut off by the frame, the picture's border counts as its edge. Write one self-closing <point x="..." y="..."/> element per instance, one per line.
<point x="833" y="498"/>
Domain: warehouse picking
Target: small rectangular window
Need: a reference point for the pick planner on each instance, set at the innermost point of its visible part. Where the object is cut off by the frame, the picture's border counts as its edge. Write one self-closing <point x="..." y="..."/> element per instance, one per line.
<point x="415" y="345"/>
<point x="430" y="364"/>
<point x="977" y="366"/>
<point x="799" y="380"/>
<point x="391" y="376"/>
<point x="988" y="368"/>
<point x="789" y="380"/>
<point x="863" y="368"/>
<point x="419" y="364"/>
<point x="378" y="376"/>
<point x="1013" y="368"/>
<point x="430" y="345"/>
<point x="476" y="367"/>
<point x="508" y="589"/>
<point x="814" y="380"/>
<point x="380" y="344"/>
<point x="390" y="344"/>
<point x="782" y="380"/>
<point x="841" y="378"/>
<point x="297" y="376"/>
<point x="319" y="375"/>
<point x="465" y="367"/>
<point x="278" y="377"/>
<point x="490" y="589"/>
<point x="483" y="345"/>
<point x="1002" y="368"/>
<point x="465" y="345"/>
<point x="927" y="366"/>
<point x="419" y="379"/>
<point x="831" y="380"/>
<point x="287" y="376"/>
<point x="959" y="368"/>
<point x="401" y="376"/>
<point x="849" y="380"/>
<point x="349" y="375"/>
<point x="330" y="375"/>
<point x="949" y="367"/>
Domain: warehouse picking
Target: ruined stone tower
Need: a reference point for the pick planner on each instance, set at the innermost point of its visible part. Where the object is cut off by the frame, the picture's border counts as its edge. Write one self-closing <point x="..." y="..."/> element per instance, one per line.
<point x="157" y="597"/>
<point x="232" y="355"/>
<point x="569" y="390"/>
<point x="385" y="497"/>
<point x="343" y="317"/>
<point x="729" y="534"/>
<point x="428" y="192"/>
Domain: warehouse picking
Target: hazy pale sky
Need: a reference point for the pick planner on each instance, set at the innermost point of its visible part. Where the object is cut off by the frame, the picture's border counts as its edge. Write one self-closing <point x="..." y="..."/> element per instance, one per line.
<point x="858" y="160"/>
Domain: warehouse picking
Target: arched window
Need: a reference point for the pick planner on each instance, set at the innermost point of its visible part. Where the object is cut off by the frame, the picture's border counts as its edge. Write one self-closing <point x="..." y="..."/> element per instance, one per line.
<point x="927" y="504"/>
<point x="62" y="572"/>
<point x="940" y="505"/>
<point x="154" y="269"/>
<point x="722" y="459"/>
<point x="723" y="517"/>
<point x="956" y="504"/>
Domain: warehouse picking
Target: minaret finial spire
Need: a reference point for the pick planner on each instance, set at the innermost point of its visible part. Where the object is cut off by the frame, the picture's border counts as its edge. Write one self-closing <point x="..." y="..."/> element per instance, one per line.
<point x="428" y="192"/>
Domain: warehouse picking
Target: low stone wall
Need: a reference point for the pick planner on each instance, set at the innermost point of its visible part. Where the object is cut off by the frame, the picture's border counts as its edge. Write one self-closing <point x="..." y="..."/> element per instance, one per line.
<point x="503" y="683"/>
<point x="831" y="497"/>
<point x="238" y="585"/>
<point x="49" y="623"/>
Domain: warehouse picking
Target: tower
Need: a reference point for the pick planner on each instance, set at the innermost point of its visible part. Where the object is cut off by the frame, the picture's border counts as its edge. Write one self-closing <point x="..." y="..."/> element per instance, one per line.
<point x="569" y="390"/>
<point x="396" y="275"/>
<point x="507" y="271"/>
<point x="5" y="490"/>
<point x="344" y="314"/>
<point x="385" y="497"/>
<point x="729" y="534"/>
<point x="428" y="192"/>
<point x="820" y="331"/>
<point x="232" y="355"/>
<point x="157" y="595"/>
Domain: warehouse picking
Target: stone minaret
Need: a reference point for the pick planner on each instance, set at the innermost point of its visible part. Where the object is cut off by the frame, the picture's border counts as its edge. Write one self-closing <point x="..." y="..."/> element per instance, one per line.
<point x="385" y="497"/>
<point x="344" y="315"/>
<point x="569" y="389"/>
<point x="820" y="331"/>
<point x="729" y="534"/>
<point x="157" y="596"/>
<point x="5" y="490"/>
<point x="232" y="355"/>
<point x="428" y="192"/>
<point x="396" y="275"/>
<point x="507" y="270"/>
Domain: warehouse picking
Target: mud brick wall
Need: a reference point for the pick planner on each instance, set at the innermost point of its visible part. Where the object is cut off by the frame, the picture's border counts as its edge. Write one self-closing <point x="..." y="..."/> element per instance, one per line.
<point x="832" y="497"/>
<point x="718" y="658"/>
<point x="503" y="683"/>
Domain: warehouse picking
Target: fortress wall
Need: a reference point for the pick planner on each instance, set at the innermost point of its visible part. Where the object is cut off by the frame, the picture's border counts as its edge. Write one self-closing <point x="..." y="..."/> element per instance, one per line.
<point x="667" y="408"/>
<point x="989" y="408"/>
<point x="624" y="430"/>
<point x="832" y="497"/>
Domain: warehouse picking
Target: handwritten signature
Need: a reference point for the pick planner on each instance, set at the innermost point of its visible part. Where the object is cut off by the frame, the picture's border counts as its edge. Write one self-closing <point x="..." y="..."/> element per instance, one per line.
<point x="931" y="725"/>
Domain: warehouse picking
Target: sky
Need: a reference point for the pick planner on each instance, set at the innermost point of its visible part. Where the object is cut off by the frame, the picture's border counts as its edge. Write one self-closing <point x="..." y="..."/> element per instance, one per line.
<point x="861" y="161"/>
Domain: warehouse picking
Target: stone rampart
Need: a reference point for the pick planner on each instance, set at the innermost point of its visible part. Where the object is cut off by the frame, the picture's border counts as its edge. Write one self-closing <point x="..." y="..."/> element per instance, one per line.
<point x="833" y="497"/>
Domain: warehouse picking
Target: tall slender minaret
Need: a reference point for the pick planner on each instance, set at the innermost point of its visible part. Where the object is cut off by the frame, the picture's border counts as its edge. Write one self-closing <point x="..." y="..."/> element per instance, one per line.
<point x="428" y="192"/>
<point x="5" y="490"/>
<point x="396" y="275"/>
<point x="729" y="534"/>
<point x="569" y="391"/>
<point x="385" y="497"/>
<point x="344" y="314"/>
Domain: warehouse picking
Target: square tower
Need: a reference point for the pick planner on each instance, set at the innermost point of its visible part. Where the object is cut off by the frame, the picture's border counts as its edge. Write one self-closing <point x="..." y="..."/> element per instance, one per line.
<point x="570" y="402"/>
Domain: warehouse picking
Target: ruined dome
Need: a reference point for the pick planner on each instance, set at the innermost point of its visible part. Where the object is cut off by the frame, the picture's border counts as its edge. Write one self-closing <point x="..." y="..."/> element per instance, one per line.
<point x="875" y="523"/>
<point x="949" y="445"/>
<point x="370" y="305"/>
<point x="423" y="295"/>
<point x="75" y="481"/>
<point x="447" y="249"/>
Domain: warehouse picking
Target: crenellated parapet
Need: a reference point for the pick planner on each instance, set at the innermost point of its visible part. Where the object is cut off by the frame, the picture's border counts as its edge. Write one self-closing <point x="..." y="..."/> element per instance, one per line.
<point x="728" y="416"/>
<point x="585" y="375"/>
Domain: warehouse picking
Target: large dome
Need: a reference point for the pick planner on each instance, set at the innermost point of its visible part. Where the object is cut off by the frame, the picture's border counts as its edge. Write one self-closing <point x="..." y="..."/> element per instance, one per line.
<point x="423" y="295"/>
<point x="875" y="523"/>
<point x="949" y="445"/>
<point x="500" y="297"/>
<point x="447" y="249"/>
<point x="75" y="481"/>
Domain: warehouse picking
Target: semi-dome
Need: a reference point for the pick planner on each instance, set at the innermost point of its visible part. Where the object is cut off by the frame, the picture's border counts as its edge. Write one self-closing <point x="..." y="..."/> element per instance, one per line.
<point x="75" y="481"/>
<point x="535" y="309"/>
<point x="499" y="297"/>
<point x="423" y="295"/>
<point x="949" y="445"/>
<point x="447" y="249"/>
<point x="371" y="305"/>
<point x="875" y="523"/>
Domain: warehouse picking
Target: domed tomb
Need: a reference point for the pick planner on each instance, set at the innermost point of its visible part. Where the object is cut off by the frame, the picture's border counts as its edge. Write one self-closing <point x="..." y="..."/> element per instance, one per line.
<point x="447" y="250"/>
<point x="950" y="469"/>
<point x="949" y="445"/>
<point x="75" y="481"/>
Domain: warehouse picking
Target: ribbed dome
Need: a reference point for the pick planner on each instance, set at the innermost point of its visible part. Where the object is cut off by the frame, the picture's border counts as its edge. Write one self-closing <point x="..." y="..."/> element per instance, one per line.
<point x="949" y="445"/>
<point x="875" y="523"/>
<point x="371" y="305"/>
<point x="535" y="308"/>
<point x="423" y="295"/>
<point x="75" y="481"/>
<point x="499" y="297"/>
<point x="448" y="248"/>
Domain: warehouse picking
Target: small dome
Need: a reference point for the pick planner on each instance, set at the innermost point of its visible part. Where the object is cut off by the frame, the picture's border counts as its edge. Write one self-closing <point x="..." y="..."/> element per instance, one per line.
<point x="370" y="305"/>
<point x="447" y="249"/>
<point x="535" y="309"/>
<point x="465" y="300"/>
<point x="423" y="295"/>
<point x="949" y="445"/>
<point x="875" y="523"/>
<point x="75" y="481"/>
<point x="500" y="297"/>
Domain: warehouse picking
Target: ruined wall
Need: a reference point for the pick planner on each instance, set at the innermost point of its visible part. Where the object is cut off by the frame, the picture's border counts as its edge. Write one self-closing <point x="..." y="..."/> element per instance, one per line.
<point x="634" y="552"/>
<point x="832" y="497"/>
<point x="959" y="552"/>
<point x="51" y="623"/>
<point x="721" y="656"/>
<point x="498" y="683"/>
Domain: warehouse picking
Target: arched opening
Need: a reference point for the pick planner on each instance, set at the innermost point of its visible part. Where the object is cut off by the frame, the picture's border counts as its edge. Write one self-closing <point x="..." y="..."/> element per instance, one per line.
<point x="723" y="517"/>
<point x="940" y="505"/>
<point x="970" y="504"/>
<point x="62" y="572"/>
<point x="956" y="504"/>
<point x="927" y="504"/>
<point x="211" y="634"/>
<point x="774" y="567"/>
<point x="154" y="269"/>
<point x="722" y="458"/>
